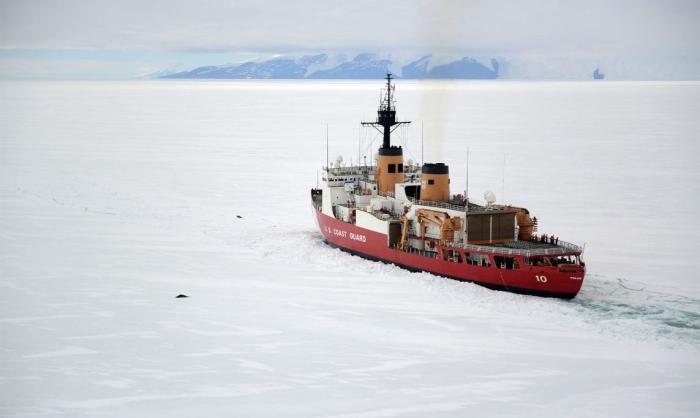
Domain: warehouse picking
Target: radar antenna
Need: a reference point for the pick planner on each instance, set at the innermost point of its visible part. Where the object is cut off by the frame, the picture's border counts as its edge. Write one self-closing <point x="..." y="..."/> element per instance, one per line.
<point x="386" y="114"/>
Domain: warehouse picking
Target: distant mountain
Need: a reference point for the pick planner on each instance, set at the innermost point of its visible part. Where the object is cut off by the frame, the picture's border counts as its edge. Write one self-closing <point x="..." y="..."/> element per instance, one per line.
<point x="362" y="66"/>
<point x="466" y="68"/>
<point x="156" y="74"/>
<point x="417" y="69"/>
<point x="277" y="68"/>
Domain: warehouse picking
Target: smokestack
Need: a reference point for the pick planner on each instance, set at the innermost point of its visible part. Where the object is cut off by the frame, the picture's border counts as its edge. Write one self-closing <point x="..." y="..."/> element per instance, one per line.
<point x="435" y="182"/>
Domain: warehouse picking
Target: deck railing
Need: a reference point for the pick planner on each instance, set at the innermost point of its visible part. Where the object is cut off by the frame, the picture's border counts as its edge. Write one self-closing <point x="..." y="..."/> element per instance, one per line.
<point x="385" y="216"/>
<point x="442" y="205"/>
<point x="566" y="248"/>
<point x="562" y="247"/>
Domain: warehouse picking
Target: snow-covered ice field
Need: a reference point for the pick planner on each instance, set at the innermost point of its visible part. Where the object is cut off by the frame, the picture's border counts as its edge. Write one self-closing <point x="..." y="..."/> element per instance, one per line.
<point x="117" y="196"/>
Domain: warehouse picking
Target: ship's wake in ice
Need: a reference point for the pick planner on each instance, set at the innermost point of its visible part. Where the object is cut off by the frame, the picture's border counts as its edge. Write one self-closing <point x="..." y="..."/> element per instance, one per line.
<point x="616" y="307"/>
<point x="632" y="308"/>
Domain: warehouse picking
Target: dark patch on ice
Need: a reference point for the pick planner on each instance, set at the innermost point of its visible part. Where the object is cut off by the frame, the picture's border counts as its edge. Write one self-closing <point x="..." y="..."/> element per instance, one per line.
<point x="239" y="217"/>
<point x="181" y="296"/>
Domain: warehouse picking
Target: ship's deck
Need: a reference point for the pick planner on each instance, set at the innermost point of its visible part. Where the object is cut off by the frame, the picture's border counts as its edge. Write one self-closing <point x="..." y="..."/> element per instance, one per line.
<point x="524" y="248"/>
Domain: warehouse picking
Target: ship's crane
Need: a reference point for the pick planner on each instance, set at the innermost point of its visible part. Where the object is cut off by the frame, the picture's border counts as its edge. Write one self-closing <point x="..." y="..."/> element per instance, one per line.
<point x="442" y="220"/>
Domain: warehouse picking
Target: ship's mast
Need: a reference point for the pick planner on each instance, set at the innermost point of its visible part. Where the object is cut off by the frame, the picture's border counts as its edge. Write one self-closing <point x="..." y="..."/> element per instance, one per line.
<point x="386" y="115"/>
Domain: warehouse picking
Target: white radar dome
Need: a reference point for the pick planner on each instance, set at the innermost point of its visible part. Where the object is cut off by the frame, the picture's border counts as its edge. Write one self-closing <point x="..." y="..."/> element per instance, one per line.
<point x="490" y="197"/>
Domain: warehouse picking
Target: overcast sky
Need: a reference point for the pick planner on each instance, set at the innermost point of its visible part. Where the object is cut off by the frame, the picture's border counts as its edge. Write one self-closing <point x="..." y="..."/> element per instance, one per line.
<point x="133" y="36"/>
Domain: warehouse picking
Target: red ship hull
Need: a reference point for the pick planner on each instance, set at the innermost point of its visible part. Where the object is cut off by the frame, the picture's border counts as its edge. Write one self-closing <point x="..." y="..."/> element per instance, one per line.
<point x="563" y="281"/>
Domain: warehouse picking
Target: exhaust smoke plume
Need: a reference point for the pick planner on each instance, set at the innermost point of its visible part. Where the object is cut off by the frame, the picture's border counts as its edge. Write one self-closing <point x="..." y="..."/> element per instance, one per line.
<point x="442" y="30"/>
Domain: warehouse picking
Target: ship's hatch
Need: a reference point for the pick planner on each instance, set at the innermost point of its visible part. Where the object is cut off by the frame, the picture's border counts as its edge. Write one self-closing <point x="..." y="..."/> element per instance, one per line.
<point x="394" y="233"/>
<point x="413" y="191"/>
<point x="491" y="226"/>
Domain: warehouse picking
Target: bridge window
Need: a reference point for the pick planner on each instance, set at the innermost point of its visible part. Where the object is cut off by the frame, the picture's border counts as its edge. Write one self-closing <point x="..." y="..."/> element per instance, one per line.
<point x="539" y="261"/>
<point x="401" y="168"/>
<point x="471" y="259"/>
<point x="451" y="255"/>
<point x="507" y="263"/>
<point x="478" y="260"/>
<point x="431" y="181"/>
<point x="565" y="259"/>
<point x="392" y="168"/>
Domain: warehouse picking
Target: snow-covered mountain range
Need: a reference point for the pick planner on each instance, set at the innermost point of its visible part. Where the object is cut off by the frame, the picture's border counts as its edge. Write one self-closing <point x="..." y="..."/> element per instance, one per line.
<point x="362" y="66"/>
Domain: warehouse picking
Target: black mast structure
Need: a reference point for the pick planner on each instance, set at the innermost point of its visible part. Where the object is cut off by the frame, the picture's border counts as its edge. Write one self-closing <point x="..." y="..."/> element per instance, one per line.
<point x="386" y="118"/>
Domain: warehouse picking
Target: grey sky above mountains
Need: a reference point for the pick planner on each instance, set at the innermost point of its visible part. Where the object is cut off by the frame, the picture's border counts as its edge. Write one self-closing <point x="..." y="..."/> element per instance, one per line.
<point x="517" y="28"/>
